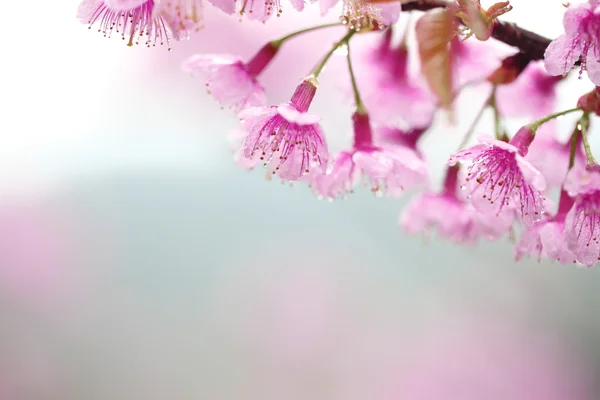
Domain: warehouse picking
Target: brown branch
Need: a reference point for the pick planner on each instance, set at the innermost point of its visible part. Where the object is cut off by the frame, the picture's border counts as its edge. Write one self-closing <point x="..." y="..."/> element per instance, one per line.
<point x="528" y="42"/>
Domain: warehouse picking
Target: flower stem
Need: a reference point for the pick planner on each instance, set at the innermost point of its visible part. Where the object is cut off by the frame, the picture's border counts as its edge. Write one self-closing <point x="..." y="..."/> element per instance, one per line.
<point x="582" y="124"/>
<point x="473" y="125"/>
<point x="586" y="145"/>
<point x="492" y="103"/>
<point x="278" y="42"/>
<point x="360" y="106"/>
<point x="536" y="124"/>
<point x="319" y="68"/>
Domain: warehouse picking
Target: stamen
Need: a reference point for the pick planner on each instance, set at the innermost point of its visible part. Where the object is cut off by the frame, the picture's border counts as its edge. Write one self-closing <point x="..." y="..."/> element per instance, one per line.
<point x="133" y="25"/>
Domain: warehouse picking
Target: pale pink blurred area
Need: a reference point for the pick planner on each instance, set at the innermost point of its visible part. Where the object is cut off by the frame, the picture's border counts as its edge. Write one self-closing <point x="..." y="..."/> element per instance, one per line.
<point x="489" y="357"/>
<point x="138" y="261"/>
<point x="39" y="253"/>
<point x="319" y="325"/>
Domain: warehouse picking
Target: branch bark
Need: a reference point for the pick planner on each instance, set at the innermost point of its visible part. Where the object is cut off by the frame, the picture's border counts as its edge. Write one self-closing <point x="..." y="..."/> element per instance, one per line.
<point x="526" y="41"/>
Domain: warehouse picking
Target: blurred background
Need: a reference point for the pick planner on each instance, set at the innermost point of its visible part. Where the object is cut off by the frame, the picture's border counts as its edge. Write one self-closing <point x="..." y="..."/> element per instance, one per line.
<point x="137" y="261"/>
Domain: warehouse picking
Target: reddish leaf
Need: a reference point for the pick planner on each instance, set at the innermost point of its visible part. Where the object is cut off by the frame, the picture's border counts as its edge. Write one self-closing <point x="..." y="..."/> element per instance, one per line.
<point x="434" y="32"/>
<point x="475" y="19"/>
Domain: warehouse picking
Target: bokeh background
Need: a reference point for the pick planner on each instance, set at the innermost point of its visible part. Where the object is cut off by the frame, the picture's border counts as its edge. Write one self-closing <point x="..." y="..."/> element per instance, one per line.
<point x="137" y="261"/>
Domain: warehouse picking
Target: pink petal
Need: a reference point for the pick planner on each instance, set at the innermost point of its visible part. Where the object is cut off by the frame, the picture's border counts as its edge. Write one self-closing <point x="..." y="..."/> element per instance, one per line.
<point x="291" y="114"/>
<point x="200" y="64"/>
<point x="123" y="4"/>
<point x="390" y="12"/>
<point x="227" y="6"/>
<point x="430" y="211"/>
<point x="298" y="4"/>
<point x="573" y="18"/>
<point x="182" y="16"/>
<point x="252" y="117"/>
<point x="492" y="226"/>
<point x="531" y="174"/>
<point x="561" y="55"/>
<point x="467" y="154"/>
<point x="592" y="66"/>
<point x="340" y="180"/>
<point x="530" y="243"/>
<point x="326" y="5"/>
<point x="395" y="169"/>
<point x="552" y="237"/>
<point x="228" y="80"/>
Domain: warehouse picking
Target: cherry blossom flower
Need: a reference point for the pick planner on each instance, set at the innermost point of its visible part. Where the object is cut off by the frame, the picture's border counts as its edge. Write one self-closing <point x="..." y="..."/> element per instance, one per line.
<point x="452" y="217"/>
<point x="546" y="239"/>
<point x="582" y="224"/>
<point x="583" y="228"/>
<point x="388" y="169"/>
<point x="232" y="82"/>
<point x="579" y="42"/>
<point x="286" y="137"/>
<point x="148" y="22"/>
<point x="499" y="177"/>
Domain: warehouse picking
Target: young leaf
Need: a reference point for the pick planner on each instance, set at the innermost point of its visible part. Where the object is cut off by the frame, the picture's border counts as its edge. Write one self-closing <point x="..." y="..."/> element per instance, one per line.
<point x="474" y="18"/>
<point x="434" y="32"/>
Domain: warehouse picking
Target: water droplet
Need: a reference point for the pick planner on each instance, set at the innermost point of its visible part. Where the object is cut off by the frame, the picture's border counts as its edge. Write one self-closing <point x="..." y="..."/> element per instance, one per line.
<point x="341" y="50"/>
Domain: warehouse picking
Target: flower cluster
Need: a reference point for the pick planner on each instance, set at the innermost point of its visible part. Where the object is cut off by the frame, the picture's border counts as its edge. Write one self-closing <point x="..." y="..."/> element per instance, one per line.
<point x="502" y="184"/>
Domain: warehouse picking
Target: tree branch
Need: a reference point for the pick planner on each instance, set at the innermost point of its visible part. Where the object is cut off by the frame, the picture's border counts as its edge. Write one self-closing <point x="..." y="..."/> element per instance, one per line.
<point x="528" y="42"/>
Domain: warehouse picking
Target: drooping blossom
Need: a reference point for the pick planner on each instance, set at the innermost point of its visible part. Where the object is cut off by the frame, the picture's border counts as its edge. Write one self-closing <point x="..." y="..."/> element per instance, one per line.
<point x="499" y="177"/>
<point x="582" y="225"/>
<point x="260" y="10"/>
<point x="388" y="169"/>
<point x="392" y="94"/>
<point x="583" y="228"/>
<point x="451" y="216"/>
<point x="579" y="42"/>
<point x="149" y="22"/>
<point x="232" y="82"/>
<point x="546" y="239"/>
<point x="286" y="138"/>
<point x="532" y="94"/>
